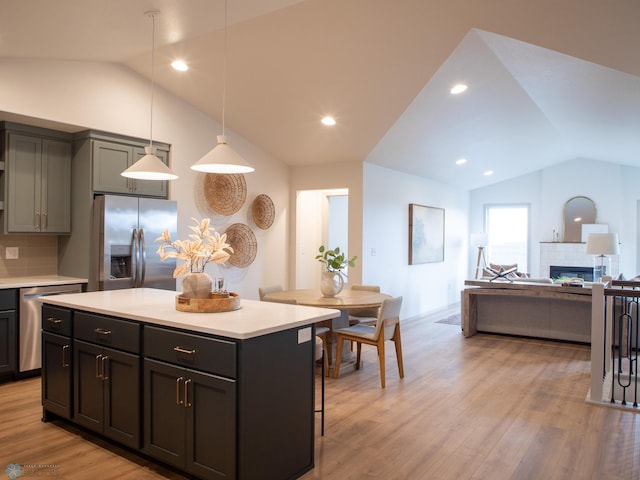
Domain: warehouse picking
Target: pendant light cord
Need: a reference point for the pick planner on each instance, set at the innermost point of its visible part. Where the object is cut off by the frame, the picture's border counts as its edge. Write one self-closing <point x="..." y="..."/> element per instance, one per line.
<point x="153" y="50"/>
<point x="224" y="69"/>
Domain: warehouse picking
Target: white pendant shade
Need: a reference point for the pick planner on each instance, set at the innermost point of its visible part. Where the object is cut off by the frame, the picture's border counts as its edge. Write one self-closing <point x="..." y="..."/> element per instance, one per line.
<point x="222" y="159"/>
<point x="149" y="167"/>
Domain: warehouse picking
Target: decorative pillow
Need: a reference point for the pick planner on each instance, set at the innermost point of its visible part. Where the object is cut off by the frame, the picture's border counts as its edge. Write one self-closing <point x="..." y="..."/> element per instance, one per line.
<point x="503" y="268"/>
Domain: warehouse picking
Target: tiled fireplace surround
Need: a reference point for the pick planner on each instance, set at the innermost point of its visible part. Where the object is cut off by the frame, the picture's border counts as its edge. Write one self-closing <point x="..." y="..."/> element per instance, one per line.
<point x="569" y="254"/>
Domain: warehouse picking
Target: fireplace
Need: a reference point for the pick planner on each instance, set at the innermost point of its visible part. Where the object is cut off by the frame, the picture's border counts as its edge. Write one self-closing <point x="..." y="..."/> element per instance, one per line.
<point x="560" y="271"/>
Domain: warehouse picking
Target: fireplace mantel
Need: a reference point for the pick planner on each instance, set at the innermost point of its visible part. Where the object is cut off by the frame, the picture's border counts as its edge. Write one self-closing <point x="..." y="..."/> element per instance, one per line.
<point x="569" y="254"/>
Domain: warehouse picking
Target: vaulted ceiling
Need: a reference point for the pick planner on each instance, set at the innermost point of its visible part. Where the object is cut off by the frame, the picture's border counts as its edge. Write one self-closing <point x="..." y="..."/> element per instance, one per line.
<point x="548" y="81"/>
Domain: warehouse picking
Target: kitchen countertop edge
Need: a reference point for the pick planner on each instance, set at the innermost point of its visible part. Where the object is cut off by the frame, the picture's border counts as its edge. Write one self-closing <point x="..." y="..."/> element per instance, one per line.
<point x="157" y="307"/>
<point x="38" y="281"/>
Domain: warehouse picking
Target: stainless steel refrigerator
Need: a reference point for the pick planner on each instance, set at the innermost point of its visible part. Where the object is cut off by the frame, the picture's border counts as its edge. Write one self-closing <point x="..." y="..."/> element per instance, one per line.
<point x="125" y="253"/>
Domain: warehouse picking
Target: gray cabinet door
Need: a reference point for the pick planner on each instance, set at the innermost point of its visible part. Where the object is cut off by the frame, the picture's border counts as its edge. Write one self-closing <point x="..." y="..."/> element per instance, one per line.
<point x="164" y="415"/>
<point x="25" y="155"/>
<point x="109" y="161"/>
<point x="8" y="341"/>
<point x="190" y="420"/>
<point x="56" y="374"/>
<point x="55" y="188"/>
<point x="88" y="409"/>
<point x="211" y="426"/>
<point x="122" y="397"/>
<point x="35" y="201"/>
<point x="107" y="392"/>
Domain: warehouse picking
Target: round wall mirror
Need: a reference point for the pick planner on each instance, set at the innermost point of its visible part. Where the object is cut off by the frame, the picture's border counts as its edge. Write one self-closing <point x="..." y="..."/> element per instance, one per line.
<point x="577" y="211"/>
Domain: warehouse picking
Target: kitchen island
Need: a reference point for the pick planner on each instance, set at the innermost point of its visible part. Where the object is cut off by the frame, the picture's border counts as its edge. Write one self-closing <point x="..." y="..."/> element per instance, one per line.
<point x="215" y="395"/>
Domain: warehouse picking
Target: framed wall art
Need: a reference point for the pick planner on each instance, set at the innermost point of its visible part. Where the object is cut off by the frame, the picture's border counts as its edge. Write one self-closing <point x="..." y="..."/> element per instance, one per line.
<point x="426" y="234"/>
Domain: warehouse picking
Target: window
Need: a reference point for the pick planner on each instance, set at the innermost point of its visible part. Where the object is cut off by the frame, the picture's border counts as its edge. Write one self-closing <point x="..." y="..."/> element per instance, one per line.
<point x="507" y="228"/>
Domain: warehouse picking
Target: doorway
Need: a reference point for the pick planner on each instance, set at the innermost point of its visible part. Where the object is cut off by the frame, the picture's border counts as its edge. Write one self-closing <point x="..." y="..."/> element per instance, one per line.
<point x="322" y="218"/>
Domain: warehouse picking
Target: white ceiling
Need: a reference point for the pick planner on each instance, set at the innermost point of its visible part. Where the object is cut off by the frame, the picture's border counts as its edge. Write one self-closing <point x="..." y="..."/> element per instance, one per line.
<point x="548" y="81"/>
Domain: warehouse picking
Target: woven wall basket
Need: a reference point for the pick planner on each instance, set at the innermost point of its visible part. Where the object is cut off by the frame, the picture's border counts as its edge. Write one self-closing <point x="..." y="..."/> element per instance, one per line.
<point x="263" y="211"/>
<point x="244" y="244"/>
<point x="224" y="194"/>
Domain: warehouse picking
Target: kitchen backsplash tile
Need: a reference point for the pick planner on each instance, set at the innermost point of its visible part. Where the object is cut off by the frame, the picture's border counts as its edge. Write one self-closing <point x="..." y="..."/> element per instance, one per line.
<point x="37" y="255"/>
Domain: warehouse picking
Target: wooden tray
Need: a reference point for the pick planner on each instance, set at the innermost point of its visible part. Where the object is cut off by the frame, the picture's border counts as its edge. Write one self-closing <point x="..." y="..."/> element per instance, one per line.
<point x="208" y="305"/>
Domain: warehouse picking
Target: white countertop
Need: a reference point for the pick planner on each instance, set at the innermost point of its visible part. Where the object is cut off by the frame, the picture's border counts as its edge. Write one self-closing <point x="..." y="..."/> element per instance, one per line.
<point x="38" y="281"/>
<point x="157" y="307"/>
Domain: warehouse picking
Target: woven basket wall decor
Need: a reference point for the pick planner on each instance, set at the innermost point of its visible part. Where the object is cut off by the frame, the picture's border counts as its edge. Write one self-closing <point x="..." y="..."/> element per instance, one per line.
<point x="263" y="211"/>
<point x="225" y="194"/>
<point x="244" y="244"/>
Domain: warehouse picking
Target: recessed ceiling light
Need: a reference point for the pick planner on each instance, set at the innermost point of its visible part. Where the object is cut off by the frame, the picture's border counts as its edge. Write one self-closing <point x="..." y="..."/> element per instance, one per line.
<point x="329" y="121"/>
<point x="488" y="173"/>
<point x="461" y="161"/>
<point x="458" y="88"/>
<point x="179" y="65"/>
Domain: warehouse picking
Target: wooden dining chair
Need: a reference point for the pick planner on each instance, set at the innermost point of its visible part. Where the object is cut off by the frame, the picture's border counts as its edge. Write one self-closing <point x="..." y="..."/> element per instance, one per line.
<point x="262" y="291"/>
<point x="387" y="327"/>
<point x="364" y="315"/>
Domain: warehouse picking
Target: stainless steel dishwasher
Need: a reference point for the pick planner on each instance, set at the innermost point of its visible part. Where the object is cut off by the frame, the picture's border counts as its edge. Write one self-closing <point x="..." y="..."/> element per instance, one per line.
<point x="30" y="325"/>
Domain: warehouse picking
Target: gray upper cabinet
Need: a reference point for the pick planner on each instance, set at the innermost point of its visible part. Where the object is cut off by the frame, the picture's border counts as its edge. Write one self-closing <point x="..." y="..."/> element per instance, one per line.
<point x="111" y="158"/>
<point x="38" y="181"/>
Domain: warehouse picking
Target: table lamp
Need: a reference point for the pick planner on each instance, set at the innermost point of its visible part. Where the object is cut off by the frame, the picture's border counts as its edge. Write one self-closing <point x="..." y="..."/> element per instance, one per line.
<point x="479" y="240"/>
<point x="601" y="245"/>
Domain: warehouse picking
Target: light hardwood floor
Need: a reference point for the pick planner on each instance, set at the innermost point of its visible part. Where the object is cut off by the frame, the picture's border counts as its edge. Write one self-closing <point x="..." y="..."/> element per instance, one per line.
<point x="485" y="407"/>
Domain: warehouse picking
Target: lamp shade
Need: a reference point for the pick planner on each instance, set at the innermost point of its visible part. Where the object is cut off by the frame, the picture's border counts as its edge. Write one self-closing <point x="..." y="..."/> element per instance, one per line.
<point x="149" y="167"/>
<point x="479" y="240"/>
<point x="603" y="244"/>
<point x="222" y="159"/>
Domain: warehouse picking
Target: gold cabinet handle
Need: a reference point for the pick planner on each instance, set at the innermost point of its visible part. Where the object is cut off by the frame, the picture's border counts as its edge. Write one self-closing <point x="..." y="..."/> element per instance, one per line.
<point x="65" y="362"/>
<point x="178" y="380"/>
<point x="102" y="362"/>
<point x="98" y="374"/>
<point x="102" y="331"/>
<point x="45" y="223"/>
<point x="186" y="393"/>
<point x="37" y="221"/>
<point x="184" y="350"/>
<point x="54" y="320"/>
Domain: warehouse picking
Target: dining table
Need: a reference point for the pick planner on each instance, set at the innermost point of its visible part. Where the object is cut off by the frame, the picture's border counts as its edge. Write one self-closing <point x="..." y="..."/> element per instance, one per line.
<point x="344" y="301"/>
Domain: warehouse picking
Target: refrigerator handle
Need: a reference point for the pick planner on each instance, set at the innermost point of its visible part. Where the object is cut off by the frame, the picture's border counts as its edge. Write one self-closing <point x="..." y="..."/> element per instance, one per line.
<point x="135" y="268"/>
<point x="143" y="258"/>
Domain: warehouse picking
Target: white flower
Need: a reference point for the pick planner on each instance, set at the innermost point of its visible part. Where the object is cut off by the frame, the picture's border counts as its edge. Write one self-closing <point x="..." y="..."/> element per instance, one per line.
<point x="201" y="248"/>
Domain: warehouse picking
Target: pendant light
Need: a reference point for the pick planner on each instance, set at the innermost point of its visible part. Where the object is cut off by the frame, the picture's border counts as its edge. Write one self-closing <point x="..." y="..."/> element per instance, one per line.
<point x="150" y="167"/>
<point x="222" y="158"/>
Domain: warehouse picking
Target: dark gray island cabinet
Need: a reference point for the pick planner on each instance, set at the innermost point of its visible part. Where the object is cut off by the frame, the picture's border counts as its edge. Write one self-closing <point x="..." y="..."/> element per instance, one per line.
<point x="172" y="386"/>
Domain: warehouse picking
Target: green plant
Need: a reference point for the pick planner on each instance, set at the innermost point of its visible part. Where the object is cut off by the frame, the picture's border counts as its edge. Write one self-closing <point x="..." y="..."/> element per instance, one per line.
<point x="335" y="260"/>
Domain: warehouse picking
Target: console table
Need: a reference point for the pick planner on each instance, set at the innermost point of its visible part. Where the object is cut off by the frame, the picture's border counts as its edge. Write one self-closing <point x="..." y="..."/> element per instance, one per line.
<point x="534" y="310"/>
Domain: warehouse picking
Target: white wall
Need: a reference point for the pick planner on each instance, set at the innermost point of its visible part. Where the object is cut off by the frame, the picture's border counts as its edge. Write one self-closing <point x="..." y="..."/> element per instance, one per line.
<point x="112" y="98"/>
<point x="615" y="189"/>
<point x="425" y="287"/>
<point x="309" y="229"/>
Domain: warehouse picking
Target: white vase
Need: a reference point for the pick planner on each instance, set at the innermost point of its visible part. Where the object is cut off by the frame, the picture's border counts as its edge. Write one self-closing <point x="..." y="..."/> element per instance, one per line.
<point x="197" y="285"/>
<point x="331" y="283"/>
